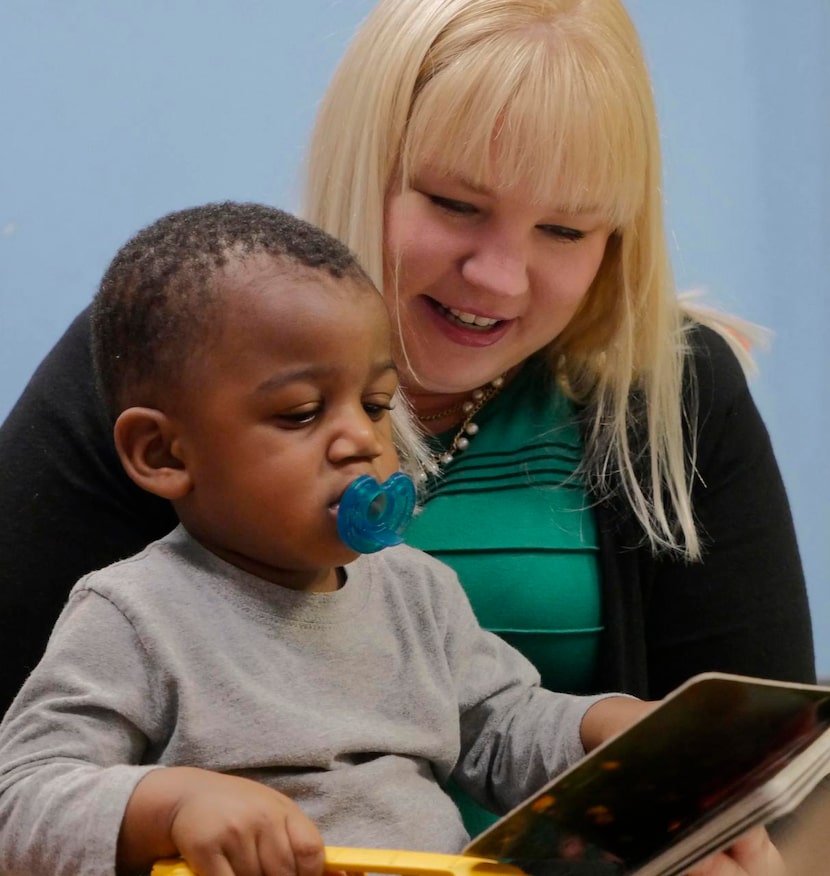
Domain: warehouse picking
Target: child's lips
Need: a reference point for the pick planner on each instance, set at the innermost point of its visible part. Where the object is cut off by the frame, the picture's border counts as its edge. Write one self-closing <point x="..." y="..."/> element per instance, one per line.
<point x="334" y="505"/>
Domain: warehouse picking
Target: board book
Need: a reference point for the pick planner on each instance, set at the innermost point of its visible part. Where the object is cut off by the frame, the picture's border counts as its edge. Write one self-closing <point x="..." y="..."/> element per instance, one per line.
<point x="717" y="756"/>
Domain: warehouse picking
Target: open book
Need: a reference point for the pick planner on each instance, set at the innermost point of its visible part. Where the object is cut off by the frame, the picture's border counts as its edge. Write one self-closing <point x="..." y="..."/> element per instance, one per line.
<point x="720" y="754"/>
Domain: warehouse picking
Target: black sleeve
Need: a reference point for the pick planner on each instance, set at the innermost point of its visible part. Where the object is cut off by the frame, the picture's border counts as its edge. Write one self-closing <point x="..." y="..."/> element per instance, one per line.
<point x="66" y="504"/>
<point x="744" y="608"/>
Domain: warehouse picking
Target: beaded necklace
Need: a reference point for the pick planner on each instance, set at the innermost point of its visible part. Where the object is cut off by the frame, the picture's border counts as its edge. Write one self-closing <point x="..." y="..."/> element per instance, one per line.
<point x="467" y="430"/>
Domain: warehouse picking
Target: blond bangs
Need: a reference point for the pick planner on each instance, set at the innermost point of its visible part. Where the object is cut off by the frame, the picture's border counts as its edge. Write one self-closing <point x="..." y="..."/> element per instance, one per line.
<point x="510" y="111"/>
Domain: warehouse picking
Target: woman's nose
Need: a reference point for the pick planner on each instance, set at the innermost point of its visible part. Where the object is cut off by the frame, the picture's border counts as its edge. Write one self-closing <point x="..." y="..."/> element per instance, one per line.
<point x="499" y="265"/>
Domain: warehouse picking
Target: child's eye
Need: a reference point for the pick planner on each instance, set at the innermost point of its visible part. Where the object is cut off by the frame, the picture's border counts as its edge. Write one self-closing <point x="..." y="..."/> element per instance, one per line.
<point x="297" y="419"/>
<point x="377" y="410"/>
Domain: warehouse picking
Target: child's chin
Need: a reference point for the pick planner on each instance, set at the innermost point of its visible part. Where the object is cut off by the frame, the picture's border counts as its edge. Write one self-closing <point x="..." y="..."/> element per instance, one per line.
<point x="348" y="555"/>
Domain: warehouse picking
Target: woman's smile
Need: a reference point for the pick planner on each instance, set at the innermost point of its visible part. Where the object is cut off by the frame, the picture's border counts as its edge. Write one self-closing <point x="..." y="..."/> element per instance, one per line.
<point x="465" y="327"/>
<point x="467" y="319"/>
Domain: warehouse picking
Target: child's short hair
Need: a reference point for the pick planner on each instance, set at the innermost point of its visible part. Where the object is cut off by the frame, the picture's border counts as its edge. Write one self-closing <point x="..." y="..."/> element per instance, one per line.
<point x="157" y="303"/>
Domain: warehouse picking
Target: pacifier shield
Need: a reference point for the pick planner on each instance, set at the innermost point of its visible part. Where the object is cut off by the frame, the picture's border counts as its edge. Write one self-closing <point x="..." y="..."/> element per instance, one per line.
<point x="373" y="516"/>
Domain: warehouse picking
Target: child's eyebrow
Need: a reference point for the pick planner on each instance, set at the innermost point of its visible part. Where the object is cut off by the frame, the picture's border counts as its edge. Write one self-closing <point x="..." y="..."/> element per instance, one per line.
<point x="316" y="372"/>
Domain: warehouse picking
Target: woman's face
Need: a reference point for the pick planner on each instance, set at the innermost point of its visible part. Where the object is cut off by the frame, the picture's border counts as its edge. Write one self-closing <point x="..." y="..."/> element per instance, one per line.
<point x="485" y="277"/>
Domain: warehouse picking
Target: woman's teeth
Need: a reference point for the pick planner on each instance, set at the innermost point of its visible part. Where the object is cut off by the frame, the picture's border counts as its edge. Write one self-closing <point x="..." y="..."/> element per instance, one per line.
<point x="469" y="320"/>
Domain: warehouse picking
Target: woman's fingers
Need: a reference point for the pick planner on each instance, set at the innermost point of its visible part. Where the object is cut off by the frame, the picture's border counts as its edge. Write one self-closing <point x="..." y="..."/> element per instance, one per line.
<point x="754" y="854"/>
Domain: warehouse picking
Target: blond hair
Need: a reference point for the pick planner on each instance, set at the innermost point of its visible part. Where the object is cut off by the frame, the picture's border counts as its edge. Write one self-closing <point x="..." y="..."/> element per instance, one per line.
<point x="561" y="87"/>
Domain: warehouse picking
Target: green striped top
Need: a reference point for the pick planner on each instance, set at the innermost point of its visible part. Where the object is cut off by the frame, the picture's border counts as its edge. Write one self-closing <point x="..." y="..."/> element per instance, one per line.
<point x="513" y="519"/>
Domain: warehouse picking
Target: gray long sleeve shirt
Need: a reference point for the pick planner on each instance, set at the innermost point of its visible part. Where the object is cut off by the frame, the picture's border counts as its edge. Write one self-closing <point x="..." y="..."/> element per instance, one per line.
<point x="357" y="704"/>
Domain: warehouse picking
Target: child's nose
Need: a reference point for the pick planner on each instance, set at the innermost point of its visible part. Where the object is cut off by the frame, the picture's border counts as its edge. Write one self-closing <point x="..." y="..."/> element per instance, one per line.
<point x="356" y="436"/>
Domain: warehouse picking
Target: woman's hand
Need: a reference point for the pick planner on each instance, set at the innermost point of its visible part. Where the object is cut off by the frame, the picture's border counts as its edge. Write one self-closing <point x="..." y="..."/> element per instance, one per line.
<point x="752" y="855"/>
<point x="221" y="825"/>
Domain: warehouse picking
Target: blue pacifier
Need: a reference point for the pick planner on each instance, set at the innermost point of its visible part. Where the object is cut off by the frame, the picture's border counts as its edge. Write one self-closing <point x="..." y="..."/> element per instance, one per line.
<point x="373" y="516"/>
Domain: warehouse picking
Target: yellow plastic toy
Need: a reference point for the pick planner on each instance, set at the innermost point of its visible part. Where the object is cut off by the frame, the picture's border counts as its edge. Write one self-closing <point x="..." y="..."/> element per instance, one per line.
<point x="354" y="860"/>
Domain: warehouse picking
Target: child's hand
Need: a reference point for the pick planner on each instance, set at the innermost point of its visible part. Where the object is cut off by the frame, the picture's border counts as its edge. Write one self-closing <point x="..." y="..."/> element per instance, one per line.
<point x="221" y="825"/>
<point x="611" y="716"/>
<point x="224" y="824"/>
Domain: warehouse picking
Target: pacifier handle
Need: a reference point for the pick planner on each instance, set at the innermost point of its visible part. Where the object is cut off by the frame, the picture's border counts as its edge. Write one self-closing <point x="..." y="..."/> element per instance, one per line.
<point x="373" y="516"/>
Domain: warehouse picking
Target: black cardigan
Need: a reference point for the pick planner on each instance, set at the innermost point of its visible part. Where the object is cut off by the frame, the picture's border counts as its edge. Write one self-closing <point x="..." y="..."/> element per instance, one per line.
<point x="67" y="507"/>
<point x="744" y="608"/>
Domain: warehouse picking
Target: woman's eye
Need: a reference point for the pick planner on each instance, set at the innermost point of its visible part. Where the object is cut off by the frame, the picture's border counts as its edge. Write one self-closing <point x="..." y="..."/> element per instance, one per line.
<point x="562" y="232"/>
<point x="462" y="208"/>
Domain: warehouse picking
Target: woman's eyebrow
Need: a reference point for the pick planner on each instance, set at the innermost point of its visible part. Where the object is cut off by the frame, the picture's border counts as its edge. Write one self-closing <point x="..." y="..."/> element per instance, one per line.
<point x="454" y="177"/>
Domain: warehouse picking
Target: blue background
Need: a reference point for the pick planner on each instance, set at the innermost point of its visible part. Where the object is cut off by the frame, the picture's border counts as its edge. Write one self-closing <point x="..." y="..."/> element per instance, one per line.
<point x="116" y="113"/>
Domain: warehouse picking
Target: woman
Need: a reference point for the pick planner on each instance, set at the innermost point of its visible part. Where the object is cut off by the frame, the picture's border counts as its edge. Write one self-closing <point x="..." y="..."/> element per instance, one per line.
<point x="495" y="165"/>
<point x="609" y="496"/>
<point x="506" y="167"/>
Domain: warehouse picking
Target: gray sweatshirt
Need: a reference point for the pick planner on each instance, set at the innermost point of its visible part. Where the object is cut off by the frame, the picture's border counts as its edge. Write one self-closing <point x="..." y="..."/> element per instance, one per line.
<point x="358" y="704"/>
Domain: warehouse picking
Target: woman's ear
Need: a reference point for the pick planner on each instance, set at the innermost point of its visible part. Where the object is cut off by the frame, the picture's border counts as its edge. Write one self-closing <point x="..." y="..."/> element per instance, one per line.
<point x="144" y="439"/>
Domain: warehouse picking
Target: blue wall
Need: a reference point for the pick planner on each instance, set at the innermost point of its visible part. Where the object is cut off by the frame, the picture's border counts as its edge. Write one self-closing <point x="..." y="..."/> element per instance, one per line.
<point x="115" y="113"/>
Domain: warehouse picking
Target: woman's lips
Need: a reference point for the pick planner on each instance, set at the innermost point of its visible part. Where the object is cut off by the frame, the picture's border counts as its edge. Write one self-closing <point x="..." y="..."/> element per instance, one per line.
<point x="467" y="319"/>
<point x="464" y="327"/>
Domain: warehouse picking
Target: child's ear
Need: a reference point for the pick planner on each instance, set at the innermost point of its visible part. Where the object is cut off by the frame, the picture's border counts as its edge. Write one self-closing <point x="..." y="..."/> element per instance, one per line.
<point x="145" y="441"/>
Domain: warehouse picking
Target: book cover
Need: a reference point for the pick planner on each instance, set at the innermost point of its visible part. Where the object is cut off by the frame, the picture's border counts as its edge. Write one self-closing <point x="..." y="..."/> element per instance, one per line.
<point x="718" y="755"/>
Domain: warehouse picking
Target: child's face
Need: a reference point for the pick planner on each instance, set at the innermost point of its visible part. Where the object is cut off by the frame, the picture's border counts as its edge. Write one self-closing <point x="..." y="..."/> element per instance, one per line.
<point x="280" y="414"/>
